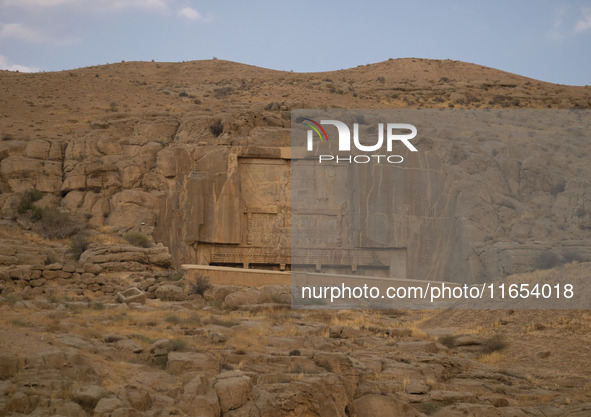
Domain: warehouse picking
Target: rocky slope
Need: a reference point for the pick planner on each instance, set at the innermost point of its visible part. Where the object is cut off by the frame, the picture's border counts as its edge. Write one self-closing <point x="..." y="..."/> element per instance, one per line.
<point x="243" y="352"/>
<point x="151" y="148"/>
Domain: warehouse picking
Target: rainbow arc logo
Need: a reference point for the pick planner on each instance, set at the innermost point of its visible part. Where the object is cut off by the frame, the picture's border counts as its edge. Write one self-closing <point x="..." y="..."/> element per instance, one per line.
<point x="316" y="127"/>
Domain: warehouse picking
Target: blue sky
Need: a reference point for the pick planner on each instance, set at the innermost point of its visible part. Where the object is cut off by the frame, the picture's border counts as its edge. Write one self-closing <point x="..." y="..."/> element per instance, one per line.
<point x="543" y="39"/>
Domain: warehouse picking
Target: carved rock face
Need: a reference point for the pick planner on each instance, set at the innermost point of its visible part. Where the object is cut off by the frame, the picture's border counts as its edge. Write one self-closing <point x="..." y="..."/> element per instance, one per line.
<point x="465" y="210"/>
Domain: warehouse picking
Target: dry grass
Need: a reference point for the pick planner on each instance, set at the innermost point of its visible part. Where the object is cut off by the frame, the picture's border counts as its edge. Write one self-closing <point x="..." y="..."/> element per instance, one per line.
<point x="492" y="358"/>
<point x="105" y="238"/>
<point x="572" y="273"/>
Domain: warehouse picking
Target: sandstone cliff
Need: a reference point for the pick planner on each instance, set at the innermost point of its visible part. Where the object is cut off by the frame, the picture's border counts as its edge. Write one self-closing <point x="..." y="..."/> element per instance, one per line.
<point x="155" y="148"/>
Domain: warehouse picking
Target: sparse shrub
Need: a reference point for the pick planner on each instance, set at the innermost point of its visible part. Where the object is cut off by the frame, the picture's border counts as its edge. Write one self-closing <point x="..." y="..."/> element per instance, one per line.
<point x="222" y="322"/>
<point x="217" y="128"/>
<point x="28" y="199"/>
<point x="141" y="338"/>
<point x="78" y="245"/>
<point x="9" y="299"/>
<point x="503" y="101"/>
<point x="573" y="255"/>
<point x="138" y="239"/>
<point x="457" y="154"/>
<point x="183" y="94"/>
<point x="381" y="80"/>
<point x="173" y="319"/>
<point x="36" y="213"/>
<point x="222" y="92"/>
<point x="57" y="224"/>
<point x="197" y="101"/>
<point x="113" y="107"/>
<point x="176" y="275"/>
<point x="96" y="305"/>
<point x="493" y="344"/>
<point x="548" y="259"/>
<point x="199" y="285"/>
<point x="448" y="340"/>
<point x="112" y="338"/>
<point x="52" y="298"/>
<point x="20" y="323"/>
<point x="558" y="188"/>
<point x="175" y="345"/>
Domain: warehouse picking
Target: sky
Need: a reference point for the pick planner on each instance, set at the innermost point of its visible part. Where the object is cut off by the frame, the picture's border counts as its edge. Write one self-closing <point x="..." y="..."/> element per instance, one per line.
<point x="543" y="39"/>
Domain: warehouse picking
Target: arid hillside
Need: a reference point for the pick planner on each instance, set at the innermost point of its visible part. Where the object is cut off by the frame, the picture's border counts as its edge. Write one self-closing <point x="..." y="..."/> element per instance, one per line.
<point x="150" y="148"/>
<point x="112" y="177"/>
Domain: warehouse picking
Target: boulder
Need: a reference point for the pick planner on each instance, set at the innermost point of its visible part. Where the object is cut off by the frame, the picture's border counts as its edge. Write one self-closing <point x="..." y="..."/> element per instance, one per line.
<point x="280" y="294"/>
<point x="247" y="296"/>
<point x="376" y="405"/>
<point x="88" y="396"/>
<point x="70" y="409"/>
<point x="138" y="397"/>
<point x="233" y="389"/>
<point x="170" y="293"/>
<point x="198" y="394"/>
<point x="106" y="406"/>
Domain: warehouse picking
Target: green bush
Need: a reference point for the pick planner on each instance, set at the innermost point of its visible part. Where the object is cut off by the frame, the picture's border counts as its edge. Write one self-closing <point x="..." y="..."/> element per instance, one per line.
<point x="217" y="128"/>
<point x="36" y="213"/>
<point x="138" y="239"/>
<point x="177" y="275"/>
<point x="78" y="245"/>
<point x="28" y="199"/>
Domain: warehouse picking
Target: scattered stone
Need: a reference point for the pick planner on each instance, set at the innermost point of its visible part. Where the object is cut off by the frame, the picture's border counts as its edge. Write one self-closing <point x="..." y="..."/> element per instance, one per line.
<point x="416" y="388"/>
<point x="343" y="332"/>
<point x="468" y="340"/>
<point x="181" y="362"/>
<point x="160" y="347"/>
<point x="129" y="345"/>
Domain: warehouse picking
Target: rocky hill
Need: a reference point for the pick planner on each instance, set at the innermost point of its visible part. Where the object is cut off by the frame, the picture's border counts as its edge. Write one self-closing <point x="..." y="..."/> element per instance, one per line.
<point x="113" y="176"/>
<point x="150" y="148"/>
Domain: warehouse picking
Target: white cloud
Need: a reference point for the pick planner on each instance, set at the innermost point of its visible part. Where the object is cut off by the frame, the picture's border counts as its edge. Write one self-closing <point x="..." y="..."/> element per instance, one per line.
<point x="556" y="34"/>
<point x="167" y="7"/>
<point x="21" y="32"/>
<point x="33" y="3"/>
<point x="4" y="65"/>
<point x="584" y="23"/>
<point x="87" y="5"/>
<point x="192" y="14"/>
<point x="29" y="34"/>
<point x="189" y="13"/>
